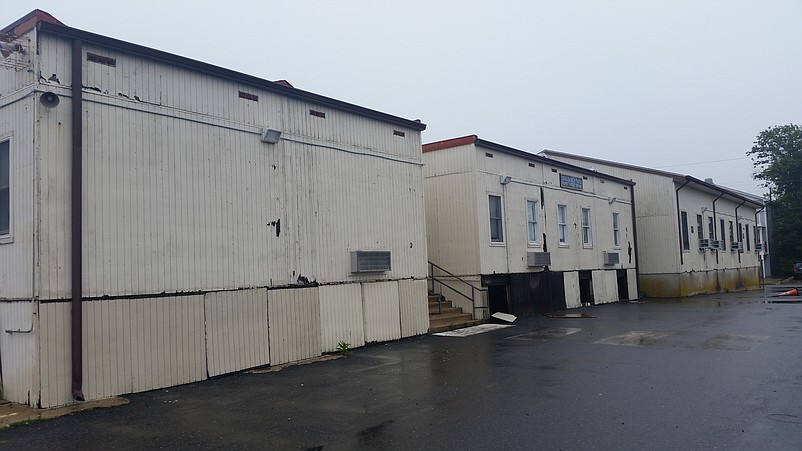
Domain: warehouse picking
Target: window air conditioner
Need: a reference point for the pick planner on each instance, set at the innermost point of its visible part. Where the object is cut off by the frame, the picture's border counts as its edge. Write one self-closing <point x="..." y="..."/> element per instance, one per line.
<point x="370" y="261"/>
<point x="538" y="259"/>
<point x="610" y="258"/>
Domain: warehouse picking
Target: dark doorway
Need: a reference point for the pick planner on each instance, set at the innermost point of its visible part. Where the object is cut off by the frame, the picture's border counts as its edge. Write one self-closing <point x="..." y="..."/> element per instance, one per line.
<point x="498" y="299"/>
<point x="586" y="287"/>
<point x="623" y="286"/>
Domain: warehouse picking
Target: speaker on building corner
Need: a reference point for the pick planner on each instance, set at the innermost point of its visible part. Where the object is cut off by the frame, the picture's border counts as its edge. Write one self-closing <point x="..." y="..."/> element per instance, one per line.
<point x="49" y="100"/>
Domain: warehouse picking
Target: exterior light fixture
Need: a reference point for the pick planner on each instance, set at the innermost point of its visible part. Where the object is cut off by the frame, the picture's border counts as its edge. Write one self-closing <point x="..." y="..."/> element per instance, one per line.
<point x="270" y="136"/>
<point x="505" y="179"/>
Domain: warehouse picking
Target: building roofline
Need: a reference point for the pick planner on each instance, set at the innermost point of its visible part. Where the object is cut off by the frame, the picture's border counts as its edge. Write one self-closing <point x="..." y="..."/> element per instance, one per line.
<point x="28" y="22"/>
<point x="473" y="139"/>
<point x="58" y="29"/>
<point x="678" y="178"/>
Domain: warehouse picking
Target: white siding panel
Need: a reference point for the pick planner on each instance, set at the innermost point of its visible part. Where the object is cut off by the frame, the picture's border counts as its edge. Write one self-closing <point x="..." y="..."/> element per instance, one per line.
<point x="632" y="284"/>
<point x="571" y="281"/>
<point x="605" y="287"/>
<point x="19" y="352"/>
<point x="236" y="330"/>
<point x="54" y="352"/>
<point x="341" y="316"/>
<point x="382" y="311"/>
<point x="294" y="324"/>
<point x="414" y="306"/>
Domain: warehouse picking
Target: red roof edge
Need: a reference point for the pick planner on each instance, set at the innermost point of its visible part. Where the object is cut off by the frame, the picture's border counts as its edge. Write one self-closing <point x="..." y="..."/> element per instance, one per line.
<point x="29" y="21"/>
<point x="448" y="143"/>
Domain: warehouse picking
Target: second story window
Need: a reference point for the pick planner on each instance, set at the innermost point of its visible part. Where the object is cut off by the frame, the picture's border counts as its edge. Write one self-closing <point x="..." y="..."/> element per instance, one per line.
<point x="587" y="234"/>
<point x="616" y="231"/>
<point x="562" y="224"/>
<point x="496" y="221"/>
<point x="531" y="222"/>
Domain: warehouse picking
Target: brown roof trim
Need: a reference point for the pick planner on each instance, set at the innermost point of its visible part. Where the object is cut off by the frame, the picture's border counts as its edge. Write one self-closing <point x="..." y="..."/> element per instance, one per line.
<point x="28" y="22"/>
<point x="449" y="143"/>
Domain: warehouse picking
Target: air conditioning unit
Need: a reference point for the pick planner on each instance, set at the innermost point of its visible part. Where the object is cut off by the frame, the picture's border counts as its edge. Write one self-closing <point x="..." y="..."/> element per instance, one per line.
<point x="758" y="247"/>
<point x="370" y="261"/>
<point x="610" y="258"/>
<point x="538" y="259"/>
<point x="736" y="247"/>
<point x="704" y="243"/>
<point x="717" y="245"/>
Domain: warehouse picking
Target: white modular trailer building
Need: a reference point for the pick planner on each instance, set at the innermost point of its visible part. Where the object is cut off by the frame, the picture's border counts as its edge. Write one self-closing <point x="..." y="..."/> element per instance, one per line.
<point x="165" y="220"/>
<point x="693" y="236"/>
<point x="535" y="235"/>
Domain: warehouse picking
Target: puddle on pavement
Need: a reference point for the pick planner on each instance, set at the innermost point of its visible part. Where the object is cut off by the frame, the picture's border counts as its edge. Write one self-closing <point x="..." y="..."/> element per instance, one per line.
<point x="734" y="342"/>
<point x="548" y="333"/>
<point x="635" y="338"/>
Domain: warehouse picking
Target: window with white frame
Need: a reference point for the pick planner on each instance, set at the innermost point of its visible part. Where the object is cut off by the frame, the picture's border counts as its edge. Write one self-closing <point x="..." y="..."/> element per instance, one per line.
<point x="587" y="235"/>
<point x="562" y="224"/>
<point x="616" y="231"/>
<point x="699" y="228"/>
<point x="496" y="221"/>
<point x="5" y="189"/>
<point x="531" y="222"/>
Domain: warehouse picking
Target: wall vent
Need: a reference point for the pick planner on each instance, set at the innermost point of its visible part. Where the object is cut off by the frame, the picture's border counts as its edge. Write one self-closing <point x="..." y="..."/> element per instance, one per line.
<point x="610" y="258"/>
<point x="370" y="261"/>
<point x="538" y="259"/>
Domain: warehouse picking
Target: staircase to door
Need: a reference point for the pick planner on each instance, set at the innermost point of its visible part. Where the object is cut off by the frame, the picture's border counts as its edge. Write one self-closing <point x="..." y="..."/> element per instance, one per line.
<point x="443" y="314"/>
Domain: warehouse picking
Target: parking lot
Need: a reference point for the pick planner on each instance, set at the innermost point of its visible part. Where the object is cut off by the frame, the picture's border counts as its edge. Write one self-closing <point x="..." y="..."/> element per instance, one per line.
<point x="711" y="372"/>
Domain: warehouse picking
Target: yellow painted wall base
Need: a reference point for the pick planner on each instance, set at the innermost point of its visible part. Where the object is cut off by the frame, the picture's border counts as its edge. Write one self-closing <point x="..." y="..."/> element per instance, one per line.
<point x="698" y="282"/>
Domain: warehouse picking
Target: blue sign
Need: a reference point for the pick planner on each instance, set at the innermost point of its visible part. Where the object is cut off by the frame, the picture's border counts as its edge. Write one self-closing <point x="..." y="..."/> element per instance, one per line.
<point x="568" y="181"/>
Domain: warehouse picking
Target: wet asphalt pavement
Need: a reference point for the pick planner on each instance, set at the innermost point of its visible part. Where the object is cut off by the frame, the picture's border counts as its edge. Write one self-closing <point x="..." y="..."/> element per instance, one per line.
<point x="710" y="372"/>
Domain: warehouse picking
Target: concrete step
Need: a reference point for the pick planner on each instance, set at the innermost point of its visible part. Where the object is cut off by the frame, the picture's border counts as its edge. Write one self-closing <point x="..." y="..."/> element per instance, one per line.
<point x="434" y="312"/>
<point x="449" y="318"/>
<point x="454" y="325"/>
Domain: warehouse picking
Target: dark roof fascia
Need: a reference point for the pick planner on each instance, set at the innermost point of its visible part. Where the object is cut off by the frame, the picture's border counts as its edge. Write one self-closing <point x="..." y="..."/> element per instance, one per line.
<point x="548" y="161"/>
<point x="220" y="72"/>
<point x="673" y="175"/>
<point x="727" y="193"/>
<point x="678" y="178"/>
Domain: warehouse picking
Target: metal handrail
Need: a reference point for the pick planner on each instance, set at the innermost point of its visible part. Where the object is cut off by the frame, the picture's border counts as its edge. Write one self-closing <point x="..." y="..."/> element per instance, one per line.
<point x="474" y="289"/>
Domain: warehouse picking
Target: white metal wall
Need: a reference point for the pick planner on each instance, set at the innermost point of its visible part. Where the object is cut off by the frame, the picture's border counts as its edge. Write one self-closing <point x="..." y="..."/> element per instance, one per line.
<point x="341" y="316"/>
<point x="236" y="330"/>
<point x="294" y="324"/>
<point x="18" y="351"/>
<point x="382" y="311"/>
<point x="414" y="313"/>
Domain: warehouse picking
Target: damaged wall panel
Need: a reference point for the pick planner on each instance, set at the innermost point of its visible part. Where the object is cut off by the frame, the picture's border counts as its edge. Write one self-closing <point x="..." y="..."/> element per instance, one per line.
<point x="294" y="324"/>
<point x="341" y="316"/>
<point x="382" y="311"/>
<point x="236" y="330"/>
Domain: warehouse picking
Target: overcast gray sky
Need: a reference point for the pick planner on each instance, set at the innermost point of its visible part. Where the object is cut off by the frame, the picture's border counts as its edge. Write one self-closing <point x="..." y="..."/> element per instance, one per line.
<point x="680" y="85"/>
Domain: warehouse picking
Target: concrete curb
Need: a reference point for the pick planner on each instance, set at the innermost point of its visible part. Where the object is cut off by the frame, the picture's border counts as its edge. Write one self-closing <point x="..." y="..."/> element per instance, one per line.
<point x="13" y="414"/>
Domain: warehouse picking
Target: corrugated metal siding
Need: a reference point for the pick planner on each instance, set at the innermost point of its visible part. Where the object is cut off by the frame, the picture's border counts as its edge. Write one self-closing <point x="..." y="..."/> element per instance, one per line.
<point x="129" y="345"/>
<point x="236" y="330"/>
<point x="19" y="352"/>
<point x="605" y="287"/>
<point x="414" y="307"/>
<point x="16" y="256"/>
<point x="571" y="281"/>
<point x="54" y="354"/>
<point x="382" y="311"/>
<point x="294" y="324"/>
<point x="632" y="284"/>
<point x="341" y="316"/>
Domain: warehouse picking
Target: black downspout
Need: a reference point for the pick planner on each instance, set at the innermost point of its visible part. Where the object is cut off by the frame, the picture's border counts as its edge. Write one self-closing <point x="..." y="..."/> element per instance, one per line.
<point x="715" y="223"/>
<point x="738" y="231"/>
<point x="635" y="237"/>
<point x="77" y="225"/>
<point x="679" y="222"/>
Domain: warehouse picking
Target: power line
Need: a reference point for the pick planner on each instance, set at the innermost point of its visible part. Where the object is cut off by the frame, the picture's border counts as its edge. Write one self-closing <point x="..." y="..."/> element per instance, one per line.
<point x="701" y="162"/>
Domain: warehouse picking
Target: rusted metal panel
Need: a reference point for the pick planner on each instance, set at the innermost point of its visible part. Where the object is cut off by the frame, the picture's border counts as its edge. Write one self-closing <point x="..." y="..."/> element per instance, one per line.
<point x="294" y="324"/>
<point x="236" y="330"/>
<point x="341" y="316"/>
<point x="414" y="307"/>
<point x="382" y="311"/>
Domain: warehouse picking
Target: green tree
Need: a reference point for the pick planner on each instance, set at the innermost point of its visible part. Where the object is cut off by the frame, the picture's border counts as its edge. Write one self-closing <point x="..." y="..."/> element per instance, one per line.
<point x="777" y="157"/>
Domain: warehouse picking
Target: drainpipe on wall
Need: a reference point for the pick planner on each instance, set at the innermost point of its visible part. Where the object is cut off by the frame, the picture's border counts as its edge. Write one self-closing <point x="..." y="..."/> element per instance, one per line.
<point x="679" y="222"/>
<point x="635" y="237"/>
<point x="77" y="225"/>
<point x="715" y="223"/>
<point x="738" y="231"/>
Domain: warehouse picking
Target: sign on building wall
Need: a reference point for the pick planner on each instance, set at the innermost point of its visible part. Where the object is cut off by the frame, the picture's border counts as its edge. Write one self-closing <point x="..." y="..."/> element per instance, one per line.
<point x="571" y="182"/>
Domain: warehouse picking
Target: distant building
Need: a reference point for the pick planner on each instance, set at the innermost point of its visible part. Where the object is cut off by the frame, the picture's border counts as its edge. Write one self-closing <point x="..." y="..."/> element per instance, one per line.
<point x="693" y="236"/>
<point x="537" y="234"/>
<point x="163" y="220"/>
